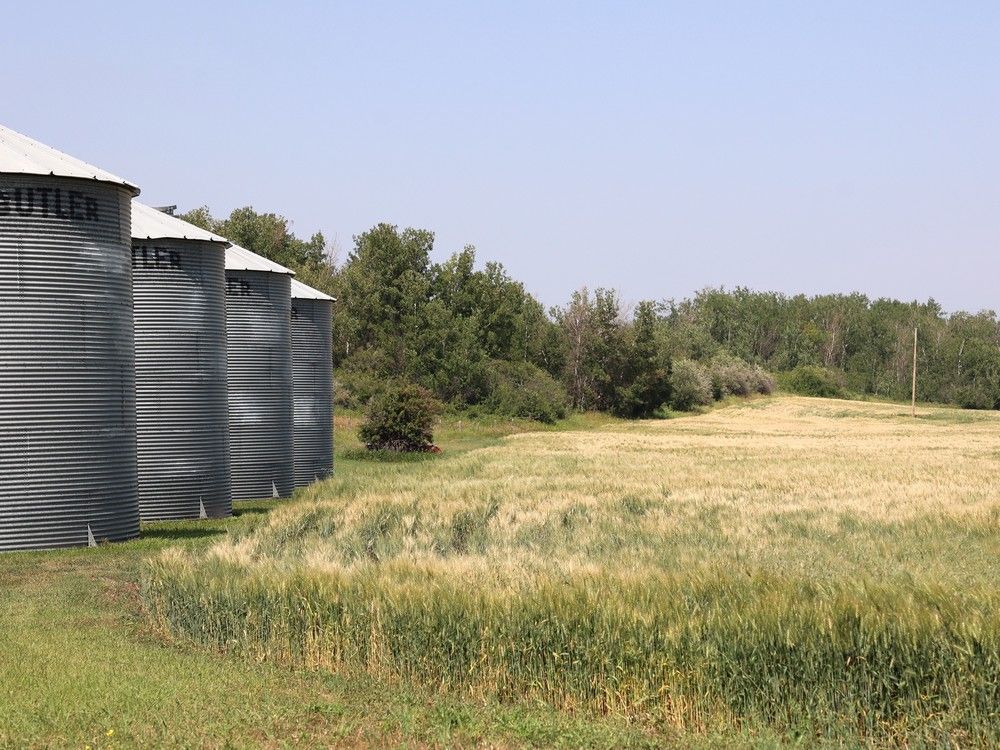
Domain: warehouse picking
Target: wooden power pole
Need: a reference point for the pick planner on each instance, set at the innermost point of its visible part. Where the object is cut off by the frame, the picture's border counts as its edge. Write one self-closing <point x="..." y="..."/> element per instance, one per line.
<point x="913" y="402"/>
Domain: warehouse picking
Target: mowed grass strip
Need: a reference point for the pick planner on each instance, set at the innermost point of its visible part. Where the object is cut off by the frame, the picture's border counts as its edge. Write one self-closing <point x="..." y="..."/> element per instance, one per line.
<point x="801" y="568"/>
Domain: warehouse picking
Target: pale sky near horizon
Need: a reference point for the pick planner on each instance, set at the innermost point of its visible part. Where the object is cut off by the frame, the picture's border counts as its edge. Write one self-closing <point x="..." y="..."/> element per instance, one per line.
<point x="654" y="148"/>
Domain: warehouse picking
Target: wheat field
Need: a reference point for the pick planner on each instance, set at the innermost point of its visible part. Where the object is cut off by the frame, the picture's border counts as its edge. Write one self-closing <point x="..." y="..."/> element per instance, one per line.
<point x="802" y="568"/>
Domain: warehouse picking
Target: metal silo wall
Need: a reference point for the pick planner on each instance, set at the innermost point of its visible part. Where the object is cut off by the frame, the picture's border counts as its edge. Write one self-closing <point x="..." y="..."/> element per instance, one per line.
<point x="312" y="377"/>
<point x="259" y="347"/>
<point x="67" y="363"/>
<point x="181" y="403"/>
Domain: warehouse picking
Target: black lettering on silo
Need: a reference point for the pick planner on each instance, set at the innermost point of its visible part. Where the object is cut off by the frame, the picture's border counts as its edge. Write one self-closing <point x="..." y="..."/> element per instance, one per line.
<point x="245" y="289"/>
<point x="58" y="207"/>
<point x="43" y="200"/>
<point x="90" y="208"/>
<point x="74" y="204"/>
<point x="24" y="201"/>
<point x="4" y="204"/>
<point x="175" y="259"/>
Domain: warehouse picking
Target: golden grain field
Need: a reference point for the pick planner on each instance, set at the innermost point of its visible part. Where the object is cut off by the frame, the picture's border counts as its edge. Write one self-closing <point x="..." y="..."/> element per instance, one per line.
<point x="815" y="568"/>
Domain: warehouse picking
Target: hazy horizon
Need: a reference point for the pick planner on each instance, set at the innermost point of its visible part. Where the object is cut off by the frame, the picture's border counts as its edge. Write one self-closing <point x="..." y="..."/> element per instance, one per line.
<point x="656" y="149"/>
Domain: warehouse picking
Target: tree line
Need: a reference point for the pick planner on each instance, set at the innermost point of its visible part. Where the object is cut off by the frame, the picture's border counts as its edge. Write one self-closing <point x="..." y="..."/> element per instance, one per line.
<point x="476" y="339"/>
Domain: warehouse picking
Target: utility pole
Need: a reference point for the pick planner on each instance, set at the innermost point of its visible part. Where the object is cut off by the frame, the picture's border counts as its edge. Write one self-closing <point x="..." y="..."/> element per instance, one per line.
<point x="913" y="402"/>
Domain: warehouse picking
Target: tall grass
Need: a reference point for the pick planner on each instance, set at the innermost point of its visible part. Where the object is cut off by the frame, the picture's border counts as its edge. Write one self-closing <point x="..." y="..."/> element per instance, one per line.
<point x="603" y="572"/>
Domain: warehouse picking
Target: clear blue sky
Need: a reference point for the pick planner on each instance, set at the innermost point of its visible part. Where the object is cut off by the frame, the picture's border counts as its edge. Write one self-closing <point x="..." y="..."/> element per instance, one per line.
<point x="656" y="148"/>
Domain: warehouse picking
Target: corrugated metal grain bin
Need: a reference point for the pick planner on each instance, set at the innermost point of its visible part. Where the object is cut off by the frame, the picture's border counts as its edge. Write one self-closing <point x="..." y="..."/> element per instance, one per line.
<point x="312" y="381"/>
<point x="259" y="347"/>
<point x="179" y="284"/>
<point x="67" y="363"/>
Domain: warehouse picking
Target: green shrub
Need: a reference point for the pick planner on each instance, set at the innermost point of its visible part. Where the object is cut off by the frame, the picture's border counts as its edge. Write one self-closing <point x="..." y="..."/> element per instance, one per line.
<point x="354" y="389"/>
<point x="642" y="397"/>
<point x="690" y="385"/>
<point x="975" y="396"/>
<point x="763" y="381"/>
<point x="731" y="376"/>
<point x="342" y="397"/>
<point x="363" y="375"/>
<point x="810" y="380"/>
<point x="520" y="389"/>
<point x="400" y="418"/>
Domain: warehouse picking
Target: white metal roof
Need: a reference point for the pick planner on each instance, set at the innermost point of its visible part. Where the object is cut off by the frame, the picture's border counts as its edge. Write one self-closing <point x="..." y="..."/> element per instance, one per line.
<point x="22" y="155"/>
<point x="150" y="224"/>
<point x="302" y="291"/>
<point x="240" y="259"/>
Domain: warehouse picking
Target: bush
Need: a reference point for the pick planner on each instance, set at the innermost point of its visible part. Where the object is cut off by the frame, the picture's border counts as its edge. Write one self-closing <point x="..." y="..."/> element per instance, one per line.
<point x="763" y="381"/>
<point x="520" y="389"/>
<point x="354" y="389"/>
<point x="362" y="376"/>
<point x="690" y="385"/>
<point x="975" y="396"/>
<point x="644" y="396"/>
<point x="400" y="418"/>
<point x="342" y="397"/>
<point x="731" y="376"/>
<point x="809" y="380"/>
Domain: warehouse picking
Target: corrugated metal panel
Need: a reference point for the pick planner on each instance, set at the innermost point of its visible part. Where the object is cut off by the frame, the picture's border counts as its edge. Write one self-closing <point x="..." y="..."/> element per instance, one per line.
<point x="180" y="344"/>
<point x="67" y="363"/>
<point x="19" y="154"/>
<point x="312" y="376"/>
<point x="149" y="223"/>
<point x="240" y="259"/>
<point x="259" y="346"/>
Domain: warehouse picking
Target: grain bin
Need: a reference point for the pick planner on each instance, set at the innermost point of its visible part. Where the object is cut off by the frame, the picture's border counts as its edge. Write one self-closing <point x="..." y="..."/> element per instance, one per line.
<point x="179" y="285"/>
<point x="259" y="349"/>
<point x="67" y="364"/>
<point x="312" y="383"/>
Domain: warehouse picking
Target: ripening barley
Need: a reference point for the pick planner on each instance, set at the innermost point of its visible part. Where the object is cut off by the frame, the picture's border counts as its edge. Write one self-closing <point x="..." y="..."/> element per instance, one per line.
<point x="814" y="566"/>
